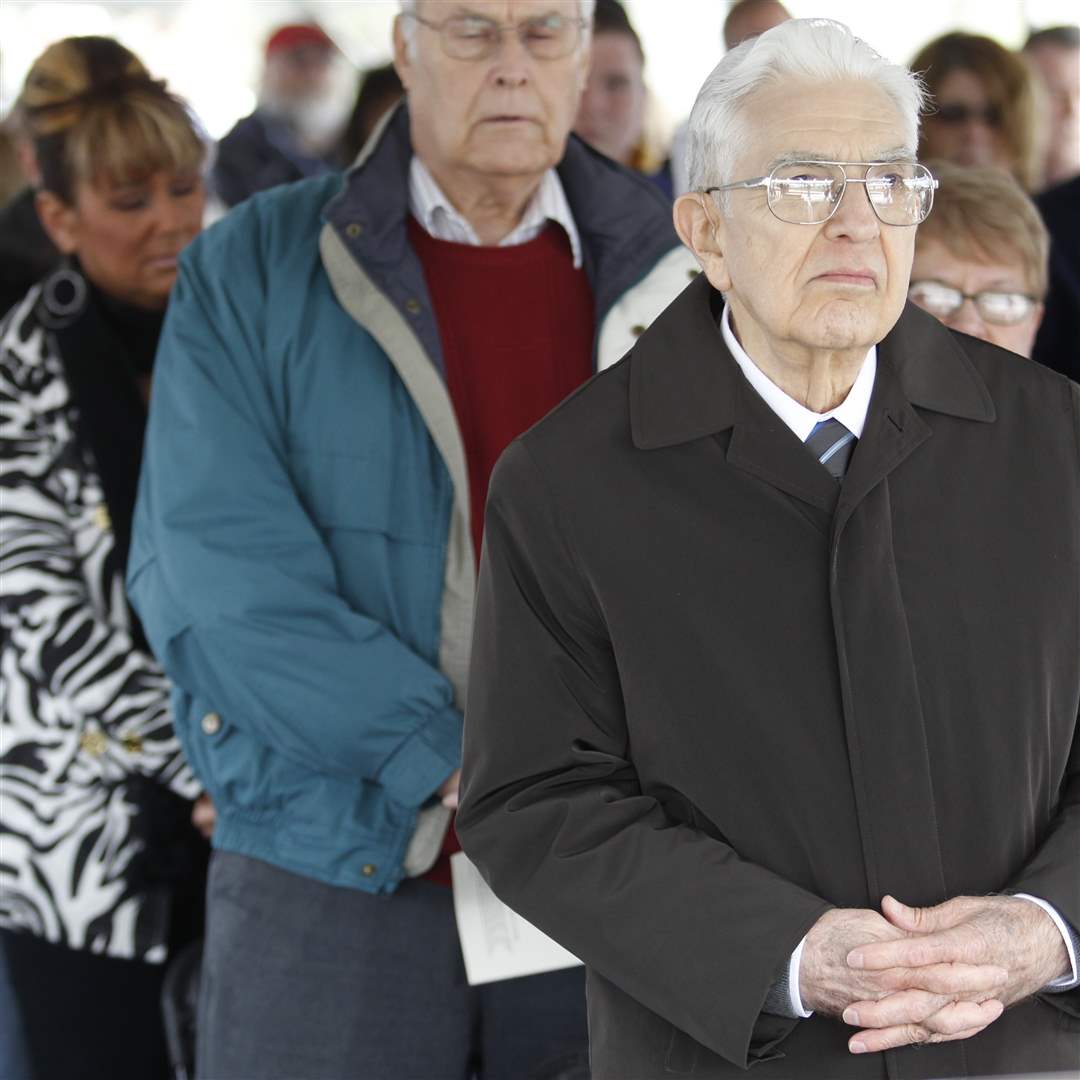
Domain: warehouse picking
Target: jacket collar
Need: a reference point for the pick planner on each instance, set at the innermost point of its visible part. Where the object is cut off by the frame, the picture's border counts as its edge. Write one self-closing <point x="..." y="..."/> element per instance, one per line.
<point x="370" y="211"/>
<point x="624" y="221"/>
<point x="684" y="383"/>
<point x="439" y="217"/>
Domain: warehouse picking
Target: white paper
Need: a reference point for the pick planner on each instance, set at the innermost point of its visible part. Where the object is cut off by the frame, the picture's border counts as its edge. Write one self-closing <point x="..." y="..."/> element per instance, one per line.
<point x="496" y="942"/>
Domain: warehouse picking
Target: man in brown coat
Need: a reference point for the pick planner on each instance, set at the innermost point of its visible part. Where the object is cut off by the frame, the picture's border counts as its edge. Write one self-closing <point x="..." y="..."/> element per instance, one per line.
<point x="779" y="632"/>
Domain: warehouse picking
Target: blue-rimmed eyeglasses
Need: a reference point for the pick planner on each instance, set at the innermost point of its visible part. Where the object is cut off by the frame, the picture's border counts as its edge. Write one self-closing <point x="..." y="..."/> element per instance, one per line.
<point x="475" y="37"/>
<point x="809" y="192"/>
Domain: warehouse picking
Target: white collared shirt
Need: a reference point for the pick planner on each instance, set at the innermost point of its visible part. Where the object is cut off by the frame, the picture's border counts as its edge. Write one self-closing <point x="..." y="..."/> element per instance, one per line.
<point x="441" y="219"/>
<point x="851" y="412"/>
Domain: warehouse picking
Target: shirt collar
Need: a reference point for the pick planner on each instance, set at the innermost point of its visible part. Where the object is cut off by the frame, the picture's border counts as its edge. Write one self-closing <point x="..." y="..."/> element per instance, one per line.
<point x="851" y="412"/>
<point x="438" y="216"/>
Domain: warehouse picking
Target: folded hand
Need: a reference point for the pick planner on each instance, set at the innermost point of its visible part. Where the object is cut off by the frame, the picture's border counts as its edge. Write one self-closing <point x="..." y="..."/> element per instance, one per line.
<point x="1014" y="938"/>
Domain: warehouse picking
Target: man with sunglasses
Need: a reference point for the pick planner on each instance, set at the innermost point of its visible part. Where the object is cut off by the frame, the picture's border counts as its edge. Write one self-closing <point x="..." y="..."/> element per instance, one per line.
<point x="344" y="360"/>
<point x="773" y="710"/>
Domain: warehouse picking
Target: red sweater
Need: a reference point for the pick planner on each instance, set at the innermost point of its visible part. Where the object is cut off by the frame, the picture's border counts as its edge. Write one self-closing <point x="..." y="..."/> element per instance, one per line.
<point x="517" y="326"/>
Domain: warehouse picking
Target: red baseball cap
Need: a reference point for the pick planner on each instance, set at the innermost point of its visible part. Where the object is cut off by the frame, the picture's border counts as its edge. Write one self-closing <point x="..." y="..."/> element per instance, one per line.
<point x="296" y="34"/>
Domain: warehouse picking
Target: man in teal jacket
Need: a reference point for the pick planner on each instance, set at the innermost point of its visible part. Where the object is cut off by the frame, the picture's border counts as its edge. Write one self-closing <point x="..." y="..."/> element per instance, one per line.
<point x="305" y="544"/>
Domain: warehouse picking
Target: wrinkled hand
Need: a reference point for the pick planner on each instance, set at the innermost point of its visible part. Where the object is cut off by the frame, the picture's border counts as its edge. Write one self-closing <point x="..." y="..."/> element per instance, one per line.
<point x="1014" y="937"/>
<point x="204" y="816"/>
<point x="1004" y="931"/>
<point x="448" y="792"/>
<point x="952" y="1000"/>
<point x="829" y="984"/>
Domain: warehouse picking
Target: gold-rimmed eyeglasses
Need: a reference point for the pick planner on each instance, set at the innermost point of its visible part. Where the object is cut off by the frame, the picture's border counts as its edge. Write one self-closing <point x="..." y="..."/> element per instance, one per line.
<point x="475" y="37"/>
<point x="809" y="192"/>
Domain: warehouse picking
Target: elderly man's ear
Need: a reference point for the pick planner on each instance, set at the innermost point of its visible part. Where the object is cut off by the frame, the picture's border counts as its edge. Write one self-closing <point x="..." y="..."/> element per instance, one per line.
<point x="701" y="229"/>
<point x="402" y="60"/>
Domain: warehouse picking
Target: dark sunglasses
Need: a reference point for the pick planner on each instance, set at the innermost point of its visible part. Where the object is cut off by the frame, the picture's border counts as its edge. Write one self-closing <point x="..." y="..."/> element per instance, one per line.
<point x="990" y="115"/>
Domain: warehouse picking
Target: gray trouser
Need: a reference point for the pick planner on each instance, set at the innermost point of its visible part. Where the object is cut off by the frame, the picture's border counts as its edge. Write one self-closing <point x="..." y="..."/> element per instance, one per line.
<point x="305" y="981"/>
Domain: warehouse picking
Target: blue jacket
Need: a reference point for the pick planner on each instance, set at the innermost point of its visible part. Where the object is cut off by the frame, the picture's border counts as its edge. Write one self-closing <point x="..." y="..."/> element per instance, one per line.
<point x="301" y="558"/>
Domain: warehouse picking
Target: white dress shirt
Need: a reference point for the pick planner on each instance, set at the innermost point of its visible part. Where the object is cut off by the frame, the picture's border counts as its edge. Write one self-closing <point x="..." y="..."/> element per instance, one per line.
<point x="851" y="412"/>
<point x="441" y="219"/>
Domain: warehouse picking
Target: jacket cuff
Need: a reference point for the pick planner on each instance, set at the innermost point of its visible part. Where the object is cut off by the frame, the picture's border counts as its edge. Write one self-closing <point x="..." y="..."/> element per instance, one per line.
<point x="424" y="760"/>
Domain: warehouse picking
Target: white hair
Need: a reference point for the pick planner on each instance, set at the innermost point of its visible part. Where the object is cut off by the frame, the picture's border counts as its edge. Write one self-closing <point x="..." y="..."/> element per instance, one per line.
<point x="813" y="49"/>
<point x="408" y="7"/>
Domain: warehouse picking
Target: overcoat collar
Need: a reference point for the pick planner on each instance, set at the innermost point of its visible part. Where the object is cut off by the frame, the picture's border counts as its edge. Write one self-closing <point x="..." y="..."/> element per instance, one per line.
<point x="685" y="384"/>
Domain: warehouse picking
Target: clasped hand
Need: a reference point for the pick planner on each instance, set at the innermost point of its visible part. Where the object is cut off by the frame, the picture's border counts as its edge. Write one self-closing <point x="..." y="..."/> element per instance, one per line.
<point x="927" y="975"/>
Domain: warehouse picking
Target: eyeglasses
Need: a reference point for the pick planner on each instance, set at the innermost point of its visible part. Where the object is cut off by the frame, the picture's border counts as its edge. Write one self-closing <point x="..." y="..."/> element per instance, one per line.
<point x="1002" y="308"/>
<point x="990" y="115"/>
<point x="809" y="192"/>
<point x="474" y="37"/>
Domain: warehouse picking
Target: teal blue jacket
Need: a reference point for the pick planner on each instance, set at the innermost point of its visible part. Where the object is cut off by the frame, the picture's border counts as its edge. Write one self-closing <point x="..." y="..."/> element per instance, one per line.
<point x="300" y="557"/>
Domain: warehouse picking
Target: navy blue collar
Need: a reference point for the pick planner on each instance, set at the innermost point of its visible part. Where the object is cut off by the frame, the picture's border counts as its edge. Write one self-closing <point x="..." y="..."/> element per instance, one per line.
<point x="624" y="221"/>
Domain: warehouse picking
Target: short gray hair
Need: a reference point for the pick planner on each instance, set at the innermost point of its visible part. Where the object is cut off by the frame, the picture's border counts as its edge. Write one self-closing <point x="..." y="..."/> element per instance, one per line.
<point x="408" y="7"/>
<point x="818" y="49"/>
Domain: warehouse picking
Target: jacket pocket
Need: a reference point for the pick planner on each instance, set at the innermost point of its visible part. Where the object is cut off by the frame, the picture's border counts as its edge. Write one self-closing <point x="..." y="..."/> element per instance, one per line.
<point x="682" y="1054"/>
<point x="343" y="491"/>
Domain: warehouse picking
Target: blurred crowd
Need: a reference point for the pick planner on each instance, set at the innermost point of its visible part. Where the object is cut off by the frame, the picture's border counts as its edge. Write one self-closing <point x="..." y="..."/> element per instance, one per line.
<point x="105" y="178"/>
<point x="1015" y="112"/>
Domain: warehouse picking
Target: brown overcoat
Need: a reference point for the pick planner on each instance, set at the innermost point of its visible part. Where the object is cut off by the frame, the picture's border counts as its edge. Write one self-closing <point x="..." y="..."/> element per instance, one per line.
<point x="714" y="693"/>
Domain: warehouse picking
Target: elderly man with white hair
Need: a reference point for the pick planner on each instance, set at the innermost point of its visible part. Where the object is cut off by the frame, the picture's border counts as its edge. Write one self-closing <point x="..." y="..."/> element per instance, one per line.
<point x="773" y="708"/>
<point x="342" y="363"/>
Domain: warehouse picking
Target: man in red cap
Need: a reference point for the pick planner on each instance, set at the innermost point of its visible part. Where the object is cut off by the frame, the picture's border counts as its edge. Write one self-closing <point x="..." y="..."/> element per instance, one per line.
<point x="284" y="138"/>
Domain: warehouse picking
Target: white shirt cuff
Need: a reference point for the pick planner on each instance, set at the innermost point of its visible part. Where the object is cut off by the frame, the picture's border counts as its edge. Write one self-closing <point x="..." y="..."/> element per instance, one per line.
<point x="793" y="983"/>
<point x="1059" y="922"/>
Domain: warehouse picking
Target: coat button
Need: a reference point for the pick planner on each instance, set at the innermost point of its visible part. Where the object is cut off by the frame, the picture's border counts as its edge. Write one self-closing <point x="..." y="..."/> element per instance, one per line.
<point x="638" y="330"/>
<point x="412" y="306"/>
<point x="211" y="723"/>
<point x="132" y="743"/>
<point x="94" y="743"/>
<point x="691" y="274"/>
<point x="353" y="230"/>
<point x="101" y="518"/>
<point x="368" y="870"/>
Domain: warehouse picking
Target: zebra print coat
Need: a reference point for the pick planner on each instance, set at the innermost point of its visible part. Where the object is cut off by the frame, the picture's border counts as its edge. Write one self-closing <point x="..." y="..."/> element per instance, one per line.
<point x="84" y="717"/>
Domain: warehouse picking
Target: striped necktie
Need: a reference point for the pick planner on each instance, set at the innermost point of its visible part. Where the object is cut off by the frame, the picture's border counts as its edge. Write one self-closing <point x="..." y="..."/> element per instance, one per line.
<point x="832" y="444"/>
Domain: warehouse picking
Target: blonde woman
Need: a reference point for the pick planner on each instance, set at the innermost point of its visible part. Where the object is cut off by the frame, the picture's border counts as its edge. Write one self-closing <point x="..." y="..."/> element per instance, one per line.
<point x="981" y="257"/>
<point x="100" y="870"/>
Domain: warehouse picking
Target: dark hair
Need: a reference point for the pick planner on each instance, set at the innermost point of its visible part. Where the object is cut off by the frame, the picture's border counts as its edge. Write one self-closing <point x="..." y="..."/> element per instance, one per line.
<point x="1065" y="37"/>
<point x="92" y="111"/>
<point x="377" y="87"/>
<point x="610" y="18"/>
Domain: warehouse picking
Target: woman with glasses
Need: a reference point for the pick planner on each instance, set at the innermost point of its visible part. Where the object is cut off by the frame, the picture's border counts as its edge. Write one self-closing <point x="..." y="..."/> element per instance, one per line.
<point x="981" y="258"/>
<point x="984" y="107"/>
<point x="101" y="872"/>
